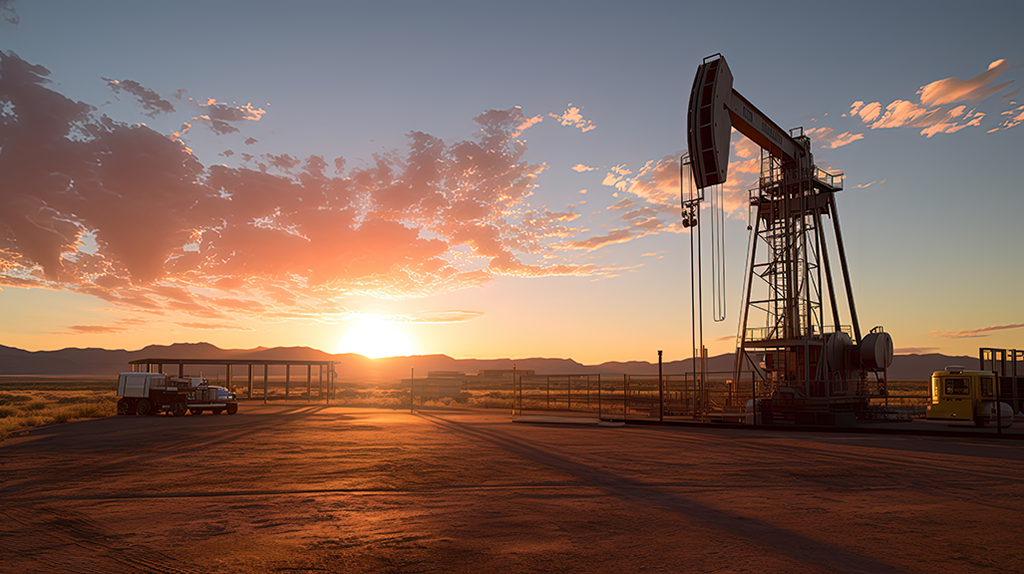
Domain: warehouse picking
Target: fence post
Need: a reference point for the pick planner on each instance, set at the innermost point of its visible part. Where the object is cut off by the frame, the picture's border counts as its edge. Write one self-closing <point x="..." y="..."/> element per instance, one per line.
<point x="549" y="392"/>
<point x="625" y="397"/>
<point x="661" y="392"/>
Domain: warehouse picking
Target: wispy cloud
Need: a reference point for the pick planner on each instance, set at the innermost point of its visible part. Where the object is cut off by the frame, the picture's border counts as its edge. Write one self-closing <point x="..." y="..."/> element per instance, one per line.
<point x="869" y="184"/>
<point x="119" y="326"/>
<point x="974" y="333"/>
<point x="916" y="350"/>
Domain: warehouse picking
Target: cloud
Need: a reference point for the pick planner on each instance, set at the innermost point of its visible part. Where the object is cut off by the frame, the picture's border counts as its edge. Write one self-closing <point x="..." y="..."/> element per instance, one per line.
<point x="10" y="15"/>
<point x="916" y="350"/>
<point x="212" y="326"/>
<point x="581" y="168"/>
<point x="830" y="140"/>
<point x="120" y="326"/>
<point x="573" y="117"/>
<point x="868" y="184"/>
<point x="131" y="216"/>
<point x="951" y="90"/>
<point x="939" y="109"/>
<point x="220" y="117"/>
<point x="454" y="316"/>
<point x="1014" y="118"/>
<point x="151" y="101"/>
<point x="975" y="333"/>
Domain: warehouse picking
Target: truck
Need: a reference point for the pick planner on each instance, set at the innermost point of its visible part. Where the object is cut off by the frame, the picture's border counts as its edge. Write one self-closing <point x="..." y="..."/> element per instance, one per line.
<point x="959" y="394"/>
<point x="153" y="393"/>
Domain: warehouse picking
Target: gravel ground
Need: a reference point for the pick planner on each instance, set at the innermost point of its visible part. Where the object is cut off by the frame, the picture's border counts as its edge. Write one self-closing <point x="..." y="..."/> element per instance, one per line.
<point x="330" y="489"/>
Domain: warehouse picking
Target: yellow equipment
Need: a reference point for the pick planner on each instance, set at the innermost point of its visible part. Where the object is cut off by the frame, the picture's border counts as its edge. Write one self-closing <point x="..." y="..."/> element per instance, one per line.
<point x="959" y="394"/>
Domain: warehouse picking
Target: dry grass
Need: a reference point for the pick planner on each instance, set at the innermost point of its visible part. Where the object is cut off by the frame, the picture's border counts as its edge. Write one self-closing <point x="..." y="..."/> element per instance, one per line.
<point x="21" y="410"/>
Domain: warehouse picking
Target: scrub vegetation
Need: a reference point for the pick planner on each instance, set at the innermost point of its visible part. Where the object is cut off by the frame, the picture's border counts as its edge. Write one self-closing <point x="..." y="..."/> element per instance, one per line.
<point x="32" y="402"/>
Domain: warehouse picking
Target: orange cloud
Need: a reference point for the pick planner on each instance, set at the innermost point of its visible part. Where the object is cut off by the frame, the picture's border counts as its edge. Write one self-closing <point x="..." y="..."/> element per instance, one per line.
<point x="134" y="218"/>
<point x="974" y="333"/>
<point x="1014" y="118"/>
<point x="829" y="140"/>
<point x="935" y="112"/>
<point x="952" y="90"/>
<point x="582" y="168"/>
<point x="573" y="117"/>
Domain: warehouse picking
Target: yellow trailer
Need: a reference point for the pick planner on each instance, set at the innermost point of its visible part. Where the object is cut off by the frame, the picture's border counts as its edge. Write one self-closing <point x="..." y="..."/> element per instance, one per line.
<point x="959" y="394"/>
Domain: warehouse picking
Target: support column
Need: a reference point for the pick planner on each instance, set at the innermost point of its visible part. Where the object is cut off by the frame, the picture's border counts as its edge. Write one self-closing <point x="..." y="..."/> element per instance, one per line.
<point x="330" y="382"/>
<point x="250" y="381"/>
<point x="309" y="382"/>
<point x="287" y="379"/>
<point x="266" y="368"/>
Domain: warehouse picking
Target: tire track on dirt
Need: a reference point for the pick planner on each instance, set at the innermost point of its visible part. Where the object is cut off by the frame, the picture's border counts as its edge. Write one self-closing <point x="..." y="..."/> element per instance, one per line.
<point x="52" y="528"/>
<point x="770" y="537"/>
<point x="768" y="450"/>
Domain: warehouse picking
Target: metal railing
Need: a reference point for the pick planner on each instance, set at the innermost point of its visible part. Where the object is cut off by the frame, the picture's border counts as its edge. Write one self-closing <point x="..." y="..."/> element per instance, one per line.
<point x="619" y="397"/>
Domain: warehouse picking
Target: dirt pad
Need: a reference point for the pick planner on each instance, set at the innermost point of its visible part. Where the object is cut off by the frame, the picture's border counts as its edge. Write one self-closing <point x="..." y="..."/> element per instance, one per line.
<point x="326" y="489"/>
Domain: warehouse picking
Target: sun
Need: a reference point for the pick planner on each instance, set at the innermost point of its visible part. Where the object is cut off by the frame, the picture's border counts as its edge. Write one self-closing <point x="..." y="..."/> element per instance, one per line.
<point x="375" y="337"/>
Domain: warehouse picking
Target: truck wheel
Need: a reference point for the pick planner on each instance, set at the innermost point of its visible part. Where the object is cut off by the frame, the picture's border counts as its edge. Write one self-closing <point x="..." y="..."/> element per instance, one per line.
<point x="232" y="408"/>
<point x="196" y="412"/>
<point x="179" y="409"/>
<point x="124" y="407"/>
<point x="143" y="407"/>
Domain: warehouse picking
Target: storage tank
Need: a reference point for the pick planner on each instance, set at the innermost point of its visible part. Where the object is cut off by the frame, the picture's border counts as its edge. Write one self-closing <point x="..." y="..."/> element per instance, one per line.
<point x="876" y="351"/>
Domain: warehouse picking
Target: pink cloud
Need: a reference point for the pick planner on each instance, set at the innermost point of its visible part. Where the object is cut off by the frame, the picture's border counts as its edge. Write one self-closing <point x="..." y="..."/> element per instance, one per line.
<point x="1014" y="118"/>
<point x="936" y="111"/>
<point x="573" y="117"/>
<point x="951" y="90"/>
<point x="830" y="140"/>
<point x="581" y="168"/>
<point x="282" y="237"/>
<point x="974" y="333"/>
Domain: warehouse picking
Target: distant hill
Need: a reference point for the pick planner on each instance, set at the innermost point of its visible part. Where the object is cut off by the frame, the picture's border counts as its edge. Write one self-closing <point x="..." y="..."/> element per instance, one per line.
<point x="75" y="361"/>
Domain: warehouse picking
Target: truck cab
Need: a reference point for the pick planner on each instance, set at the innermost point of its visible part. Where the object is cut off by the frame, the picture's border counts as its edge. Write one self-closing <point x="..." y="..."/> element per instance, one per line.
<point x="959" y="394"/>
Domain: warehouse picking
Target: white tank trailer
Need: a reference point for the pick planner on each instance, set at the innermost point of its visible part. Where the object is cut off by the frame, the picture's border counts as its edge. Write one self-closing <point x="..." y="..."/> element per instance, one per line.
<point x="153" y="393"/>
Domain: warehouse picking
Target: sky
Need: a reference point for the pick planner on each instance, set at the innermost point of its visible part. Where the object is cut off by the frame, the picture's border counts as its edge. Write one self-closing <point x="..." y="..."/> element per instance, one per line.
<point x="485" y="179"/>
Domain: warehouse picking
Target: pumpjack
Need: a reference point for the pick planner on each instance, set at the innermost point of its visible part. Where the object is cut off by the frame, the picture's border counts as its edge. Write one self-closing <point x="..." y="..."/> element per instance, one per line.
<point x="808" y="362"/>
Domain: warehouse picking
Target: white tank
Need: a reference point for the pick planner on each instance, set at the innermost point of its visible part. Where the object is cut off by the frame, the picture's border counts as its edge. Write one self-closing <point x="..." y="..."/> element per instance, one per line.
<point x="876" y="351"/>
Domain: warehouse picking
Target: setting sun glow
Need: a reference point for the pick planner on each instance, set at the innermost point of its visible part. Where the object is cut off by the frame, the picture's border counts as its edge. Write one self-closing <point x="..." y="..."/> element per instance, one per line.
<point x="375" y="337"/>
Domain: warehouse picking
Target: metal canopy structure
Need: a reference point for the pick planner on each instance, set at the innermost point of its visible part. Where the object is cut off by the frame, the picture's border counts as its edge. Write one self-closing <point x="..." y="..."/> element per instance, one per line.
<point x="325" y="372"/>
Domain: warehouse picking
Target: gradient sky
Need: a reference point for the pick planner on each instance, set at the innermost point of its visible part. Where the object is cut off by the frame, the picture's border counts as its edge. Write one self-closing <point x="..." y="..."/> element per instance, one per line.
<point x="484" y="179"/>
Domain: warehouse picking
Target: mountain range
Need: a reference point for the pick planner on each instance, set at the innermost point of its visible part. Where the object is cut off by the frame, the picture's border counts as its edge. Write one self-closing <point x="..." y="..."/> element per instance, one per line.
<point x="74" y="361"/>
